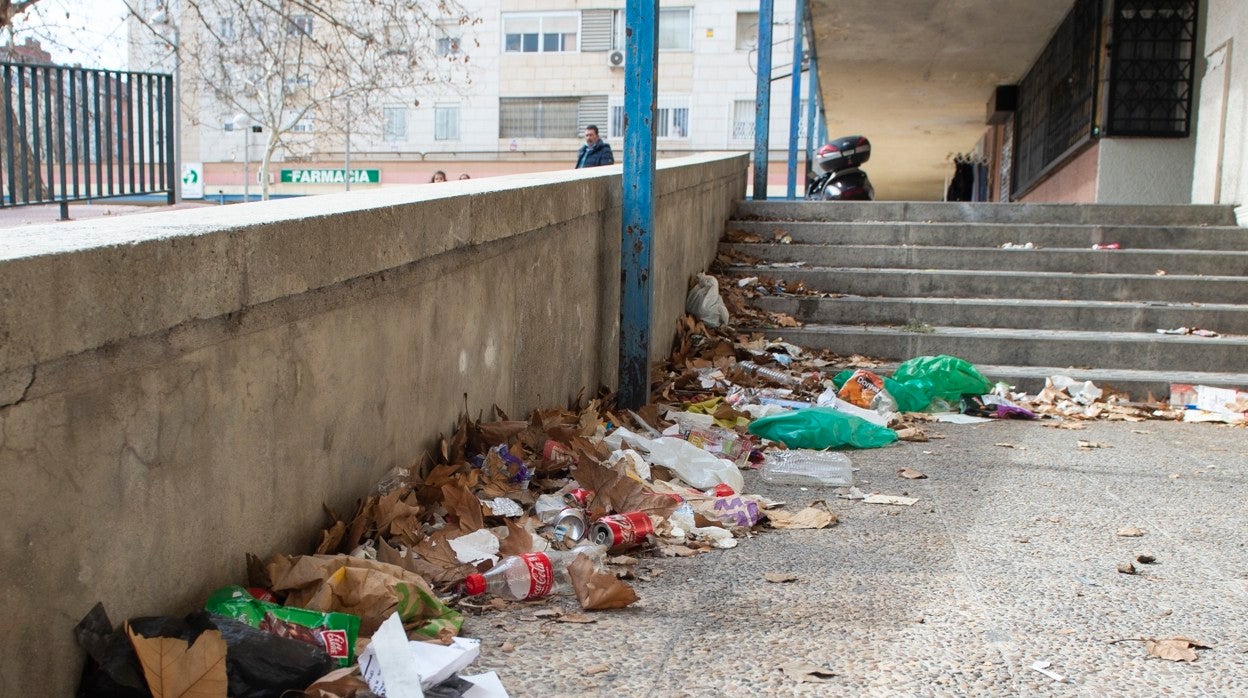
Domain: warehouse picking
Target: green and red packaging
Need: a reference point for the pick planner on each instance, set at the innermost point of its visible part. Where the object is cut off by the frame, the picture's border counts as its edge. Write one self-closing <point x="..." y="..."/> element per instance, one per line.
<point x="336" y="632"/>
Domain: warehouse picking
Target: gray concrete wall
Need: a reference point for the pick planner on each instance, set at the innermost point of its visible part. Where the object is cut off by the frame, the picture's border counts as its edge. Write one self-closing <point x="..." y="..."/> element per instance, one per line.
<point x="1221" y="171"/>
<point x="177" y="389"/>
<point x="1145" y="170"/>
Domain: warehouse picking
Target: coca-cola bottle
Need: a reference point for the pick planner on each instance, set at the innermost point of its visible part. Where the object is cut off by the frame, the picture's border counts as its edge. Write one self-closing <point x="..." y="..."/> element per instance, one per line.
<point x="530" y="575"/>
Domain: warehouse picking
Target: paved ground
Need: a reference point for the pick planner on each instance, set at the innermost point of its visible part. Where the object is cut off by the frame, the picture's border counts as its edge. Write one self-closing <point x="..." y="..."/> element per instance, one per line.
<point x="36" y="215"/>
<point x="1010" y="557"/>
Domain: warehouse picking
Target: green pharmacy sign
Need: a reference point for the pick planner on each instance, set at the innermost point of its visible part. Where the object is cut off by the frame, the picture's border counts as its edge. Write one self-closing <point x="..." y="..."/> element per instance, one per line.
<point x="331" y="176"/>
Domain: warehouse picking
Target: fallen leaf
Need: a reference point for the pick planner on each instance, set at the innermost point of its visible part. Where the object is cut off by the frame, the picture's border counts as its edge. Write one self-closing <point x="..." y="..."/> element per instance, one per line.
<point x="1130" y="532"/>
<point x="461" y="502"/>
<point x="806" y="672"/>
<point x="594" y="669"/>
<point x="1145" y="559"/>
<point x="1126" y="568"/>
<point x="780" y="577"/>
<point x="677" y="551"/>
<point x="1085" y="445"/>
<point x="810" y="517"/>
<point x="174" y="670"/>
<point x="507" y="647"/>
<point x="548" y="613"/>
<point x="615" y="490"/>
<point x="518" y="540"/>
<point x="597" y="590"/>
<point x="1175" y="649"/>
<point x="912" y="434"/>
<point x="622" y="560"/>
<point x="579" y="618"/>
<point x="1010" y="445"/>
<point x="911" y="474"/>
<point x="890" y="499"/>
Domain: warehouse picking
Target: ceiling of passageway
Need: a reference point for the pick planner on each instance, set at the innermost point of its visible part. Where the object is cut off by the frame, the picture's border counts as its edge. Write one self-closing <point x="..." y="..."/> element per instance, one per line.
<point x="914" y="76"/>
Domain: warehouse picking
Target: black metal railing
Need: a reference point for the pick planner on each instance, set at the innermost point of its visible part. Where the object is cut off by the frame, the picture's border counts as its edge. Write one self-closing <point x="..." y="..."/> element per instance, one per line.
<point x="75" y="134"/>
<point x="1057" y="98"/>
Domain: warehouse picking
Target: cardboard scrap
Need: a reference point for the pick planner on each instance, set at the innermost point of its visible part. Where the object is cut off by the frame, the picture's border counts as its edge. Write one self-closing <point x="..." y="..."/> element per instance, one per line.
<point x="780" y="577"/>
<point x="911" y="474"/>
<point x="174" y="670"/>
<point x="895" y="500"/>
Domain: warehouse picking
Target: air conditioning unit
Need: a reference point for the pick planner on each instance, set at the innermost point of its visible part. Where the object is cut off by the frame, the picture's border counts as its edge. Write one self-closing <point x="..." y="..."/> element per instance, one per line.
<point x="615" y="59"/>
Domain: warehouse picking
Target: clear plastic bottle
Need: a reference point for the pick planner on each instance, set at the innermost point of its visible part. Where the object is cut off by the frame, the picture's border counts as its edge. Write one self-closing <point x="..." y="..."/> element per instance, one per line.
<point x="530" y="575"/>
<point x="770" y="374"/>
<point x="811" y="468"/>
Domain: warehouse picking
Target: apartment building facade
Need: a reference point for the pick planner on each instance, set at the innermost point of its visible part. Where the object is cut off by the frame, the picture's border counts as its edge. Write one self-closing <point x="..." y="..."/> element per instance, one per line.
<point x="532" y="76"/>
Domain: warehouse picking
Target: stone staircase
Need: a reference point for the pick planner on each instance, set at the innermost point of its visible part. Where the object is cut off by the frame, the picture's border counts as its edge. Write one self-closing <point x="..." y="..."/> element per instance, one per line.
<point x="933" y="278"/>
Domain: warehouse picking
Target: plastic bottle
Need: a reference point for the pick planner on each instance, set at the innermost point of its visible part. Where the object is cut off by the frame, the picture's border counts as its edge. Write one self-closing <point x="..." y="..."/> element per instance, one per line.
<point x="531" y="575"/>
<point x="806" y="467"/>
<point x="770" y="374"/>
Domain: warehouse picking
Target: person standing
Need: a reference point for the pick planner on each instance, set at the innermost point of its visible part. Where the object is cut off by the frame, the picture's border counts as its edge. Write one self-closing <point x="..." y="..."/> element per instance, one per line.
<point x="596" y="152"/>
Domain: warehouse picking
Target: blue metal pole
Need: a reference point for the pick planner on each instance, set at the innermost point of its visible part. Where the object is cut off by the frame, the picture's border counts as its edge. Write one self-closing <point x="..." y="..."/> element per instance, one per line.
<point x="812" y="94"/>
<point x="762" y="108"/>
<point x="795" y="97"/>
<point x="637" y="217"/>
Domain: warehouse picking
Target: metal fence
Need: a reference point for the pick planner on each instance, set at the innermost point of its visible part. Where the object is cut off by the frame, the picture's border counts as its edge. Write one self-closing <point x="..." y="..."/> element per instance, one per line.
<point x="1057" y="98"/>
<point x="75" y="134"/>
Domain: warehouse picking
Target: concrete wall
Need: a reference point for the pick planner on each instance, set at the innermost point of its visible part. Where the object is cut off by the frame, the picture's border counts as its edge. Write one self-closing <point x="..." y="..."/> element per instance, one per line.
<point x="1221" y="170"/>
<point x="1145" y="171"/>
<point x="179" y="388"/>
<point x="1074" y="183"/>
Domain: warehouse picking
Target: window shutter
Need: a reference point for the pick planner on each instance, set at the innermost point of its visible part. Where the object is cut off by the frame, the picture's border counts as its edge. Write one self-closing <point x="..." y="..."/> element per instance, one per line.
<point x="596" y="31"/>
<point x="592" y="110"/>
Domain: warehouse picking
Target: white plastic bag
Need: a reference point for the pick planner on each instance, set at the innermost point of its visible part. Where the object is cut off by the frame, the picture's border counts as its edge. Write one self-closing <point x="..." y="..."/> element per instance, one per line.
<point x="699" y="468"/>
<point x="704" y="303"/>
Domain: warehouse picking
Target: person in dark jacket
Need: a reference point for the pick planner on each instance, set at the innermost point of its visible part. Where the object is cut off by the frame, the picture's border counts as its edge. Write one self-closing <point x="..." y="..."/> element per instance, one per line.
<point x="595" y="152"/>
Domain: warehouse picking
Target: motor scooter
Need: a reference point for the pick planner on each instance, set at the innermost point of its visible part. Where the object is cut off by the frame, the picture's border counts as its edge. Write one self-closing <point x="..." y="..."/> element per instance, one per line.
<point x="835" y="175"/>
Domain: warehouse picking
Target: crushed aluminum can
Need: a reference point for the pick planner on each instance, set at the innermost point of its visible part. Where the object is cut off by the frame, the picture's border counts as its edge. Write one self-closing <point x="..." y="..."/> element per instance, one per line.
<point x="570" y="525"/>
<point x="578" y="497"/>
<point x="620" y="531"/>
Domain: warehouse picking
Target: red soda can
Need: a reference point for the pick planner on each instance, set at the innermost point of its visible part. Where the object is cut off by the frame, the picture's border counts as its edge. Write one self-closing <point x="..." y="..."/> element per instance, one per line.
<point x="578" y="497"/>
<point x="622" y="530"/>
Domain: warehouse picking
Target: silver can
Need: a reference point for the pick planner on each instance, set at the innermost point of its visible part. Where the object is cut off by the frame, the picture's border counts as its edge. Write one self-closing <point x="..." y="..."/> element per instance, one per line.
<point x="570" y="524"/>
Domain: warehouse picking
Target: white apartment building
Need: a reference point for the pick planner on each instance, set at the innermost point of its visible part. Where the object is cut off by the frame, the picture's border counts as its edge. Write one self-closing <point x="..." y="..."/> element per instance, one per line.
<point x="538" y="72"/>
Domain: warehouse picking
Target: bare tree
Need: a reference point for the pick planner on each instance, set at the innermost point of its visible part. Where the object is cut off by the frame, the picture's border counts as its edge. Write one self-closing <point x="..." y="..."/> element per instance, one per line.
<point x="12" y="8"/>
<point x="296" y="67"/>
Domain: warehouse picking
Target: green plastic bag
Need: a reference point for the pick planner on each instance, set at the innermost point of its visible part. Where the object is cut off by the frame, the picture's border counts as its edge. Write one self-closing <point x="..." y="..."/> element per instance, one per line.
<point x="819" y="428"/>
<point x="336" y="632"/>
<point x="913" y="396"/>
<point x="950" y="377"/>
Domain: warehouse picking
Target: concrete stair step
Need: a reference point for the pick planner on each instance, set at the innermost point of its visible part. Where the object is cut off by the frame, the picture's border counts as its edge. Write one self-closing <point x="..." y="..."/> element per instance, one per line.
<point x="1190" y="262"/>
<point x="1105" y="316"/>
<point x="1009" y="284"/>
<point x="986" y="213"/>
<point x="1028" y="347"/>
<point x="1042" y="235"/>
<point x="1140" y="385"/>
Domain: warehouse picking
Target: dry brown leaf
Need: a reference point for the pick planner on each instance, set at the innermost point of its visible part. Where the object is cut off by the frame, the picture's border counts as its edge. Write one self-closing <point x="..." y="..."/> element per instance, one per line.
<point x="464" y="505"/>
<point x="331" y="538"/>
<point x="678" y="551"/>
<point x="1175" y="649"/>
<point x="1130" y="532"/>
<point x="578" y="618"/>
<point x="340" y="683"/>
<point x="595" y="669"/>
<point x="1126" y="568"/>
<point x="912" y="434"/>
<point x="780" y="577"/>
<point x="399" y="517"/>
<point x="518" y="540"/>
<point x="615" y="491"/>
<point x="1010" y="445"/>
<point x="507" y="647"/>
<point x="597" y="590"/>
<point x="911" y="474"/>
<point x="174" y="670"/>
<point x="806" y="672"/>
<point x="810" y="517"/>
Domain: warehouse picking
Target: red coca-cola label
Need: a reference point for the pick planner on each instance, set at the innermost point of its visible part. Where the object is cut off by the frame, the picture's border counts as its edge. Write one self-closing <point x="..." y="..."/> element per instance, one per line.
<point x="627" y="529"/>
<point x="335" y="642"/>
<point x="541" y="574"/>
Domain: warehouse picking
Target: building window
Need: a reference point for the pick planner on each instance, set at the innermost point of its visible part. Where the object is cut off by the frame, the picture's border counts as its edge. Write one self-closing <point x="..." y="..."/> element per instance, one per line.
<point x="743" y="114"/>
<point x="394" y="124"/>
<point x="299" y="24"/>
<point x="446" y="122"/>
<point x="537" y="117"/>
<point x="676" y="29"/>
<point x="225" y="28"/>
<point x="747" y="31"/>
<point x="303" y="125"/>
<point x="544" y="33"/>
<point x="448" y="40"/>
<point x="1152" y="68"/>
<point x="671" y="119"/>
